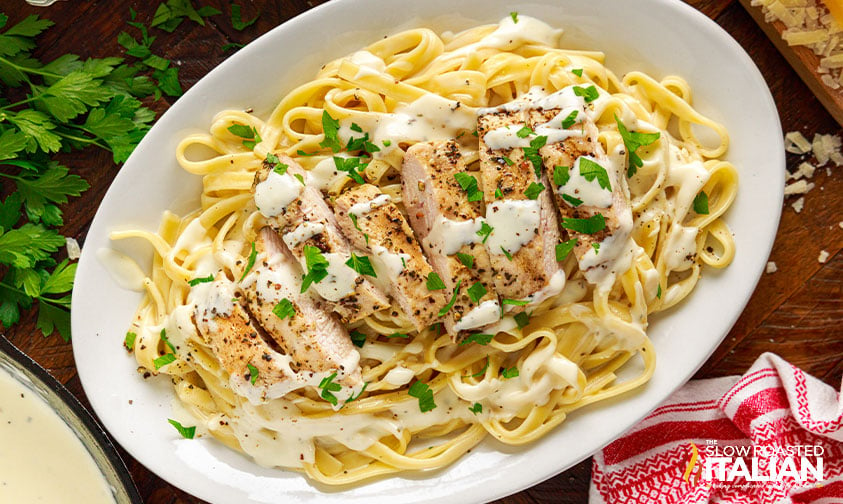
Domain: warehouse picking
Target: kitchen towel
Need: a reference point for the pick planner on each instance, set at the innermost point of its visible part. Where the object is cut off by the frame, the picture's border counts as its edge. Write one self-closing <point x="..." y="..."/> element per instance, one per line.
<point x="771" y="436"/>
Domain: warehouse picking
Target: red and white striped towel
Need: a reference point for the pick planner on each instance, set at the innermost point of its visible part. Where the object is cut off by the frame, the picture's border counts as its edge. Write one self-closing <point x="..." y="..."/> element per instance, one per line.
<point x="670" y="457"/>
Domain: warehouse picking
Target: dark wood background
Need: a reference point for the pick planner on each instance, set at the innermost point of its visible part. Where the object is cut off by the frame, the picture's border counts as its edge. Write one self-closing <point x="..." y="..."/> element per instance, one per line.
<point x="796" y="312"/>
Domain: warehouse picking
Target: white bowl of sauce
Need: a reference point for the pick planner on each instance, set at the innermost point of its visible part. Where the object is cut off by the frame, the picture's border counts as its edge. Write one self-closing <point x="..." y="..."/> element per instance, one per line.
<point x="51" y="448"/>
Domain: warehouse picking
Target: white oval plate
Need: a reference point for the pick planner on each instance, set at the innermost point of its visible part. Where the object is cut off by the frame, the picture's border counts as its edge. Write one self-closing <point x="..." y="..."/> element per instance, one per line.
<point x="660" y="37"/>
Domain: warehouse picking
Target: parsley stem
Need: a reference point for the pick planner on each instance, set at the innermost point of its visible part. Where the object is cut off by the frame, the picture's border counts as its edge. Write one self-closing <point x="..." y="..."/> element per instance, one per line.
<point x="22" y="102"/>
<point x="40" y="298"/>
<point x="29" y="69"/>
<point x="92" y="141"/>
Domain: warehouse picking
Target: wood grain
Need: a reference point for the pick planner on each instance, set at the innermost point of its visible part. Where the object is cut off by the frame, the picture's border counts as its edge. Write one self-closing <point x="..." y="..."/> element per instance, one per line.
<point x="796" y="312"/>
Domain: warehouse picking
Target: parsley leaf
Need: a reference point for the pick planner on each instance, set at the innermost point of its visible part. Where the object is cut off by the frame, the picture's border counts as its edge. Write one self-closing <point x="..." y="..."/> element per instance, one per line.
<point x="330" y="127"/>
<point x="589" y="94"/>
<point x="422" y="392"/>
<point x="524" y="132"/>
<point x="250" y="262"/>
<point x="480" y="339"/>
<point x="561" y="175"/>
<point x="590" y="170"/>
<point x="466" y="259"/>
<point x="164" y="360"/>
<point x="476" y="292"/>
<point x="659" y="292"/>
<point x="565" y="248"/>
<point x="515" y="302"/>
<point x="129" y="341"/>
<point x="253" y="373"/>
<point x="534" y="190"/>
<point x="632" y="141"/>
<point x="522" y="319"/>
<point x="284" y="309"/>
<point x="510" y="373"/>
<point x="358" y="338"/>
<point x="506" y="253"/>
<point x="186" y="432"/>
<point x="482" y="371"/>
<point x="577" y="72"/>
<point x="485" y="231"/>
<point x="453" y="300"/>
<point x="248" y="132"/>
<point x="397" y="335"/>
<point x="434" y="282"/>
<point x="532" y="153"/>
<point x="570" y="120"/>
<point x="595" y="246"/>
<point x="574" y="202"/>
<point x="469" y="185"/>
<point x="476" y="408"/>
<point x="237" y="18"/>
<point x="701" y="203"/>
<point x="361" y="264"/>
<point x="591" y="225"/>
<point x="317" y="266"/>
<point x="352" y="166"/>
<point x="328" y="387"/>
<point x="196" y="281"/>
<point x="514" y="16"/>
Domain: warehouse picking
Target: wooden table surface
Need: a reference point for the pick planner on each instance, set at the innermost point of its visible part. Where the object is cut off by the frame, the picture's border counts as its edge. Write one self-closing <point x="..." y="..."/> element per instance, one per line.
<point x="796" y="312"/>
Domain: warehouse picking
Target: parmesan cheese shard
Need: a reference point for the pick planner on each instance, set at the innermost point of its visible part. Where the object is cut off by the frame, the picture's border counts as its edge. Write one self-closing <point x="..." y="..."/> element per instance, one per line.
<point x="796" y="143"/>
<point x="799" y="204"/>
<point x="771" y="267"/>
<point x="823" y="257"/>
<point x="73" y="249"/>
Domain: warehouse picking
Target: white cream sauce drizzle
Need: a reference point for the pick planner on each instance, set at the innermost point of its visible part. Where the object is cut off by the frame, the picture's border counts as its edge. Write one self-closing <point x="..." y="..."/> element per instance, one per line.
<point x="589" y="192"/>
<point x="399" y="375"/>
<point x="369" y="64"/>
<point x="276" y="192"/>
<point x="388" y="264"/>
<point x="302" y="232"/>
<point x="448" y="236"/>
<point x="364" y="207"/>
<point x="325" y="173"/>
<point x="430" y="117"/>
<point x="514" y="222"/>
<point x="487" y="312"/>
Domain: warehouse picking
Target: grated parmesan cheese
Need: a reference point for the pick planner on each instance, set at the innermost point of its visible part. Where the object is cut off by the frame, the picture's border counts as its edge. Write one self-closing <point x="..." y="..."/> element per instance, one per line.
<point x="73" y="249"/>
<point x="798" y="187"/>
<point x="799" y="204"/>
<point x="823" y="257"/>
<point x="771" y="267"/>
<point x="796" y="143"/>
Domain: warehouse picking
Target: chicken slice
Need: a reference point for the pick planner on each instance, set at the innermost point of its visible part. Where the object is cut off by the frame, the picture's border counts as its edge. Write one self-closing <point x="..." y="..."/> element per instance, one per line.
<point x="290" y="340"/>
<point x="585" y="183"/>
<point x="303" y="219"/>
<point x="372" y="222"/>
<point x="447" y="224"/>
<point x="525" y="228"/>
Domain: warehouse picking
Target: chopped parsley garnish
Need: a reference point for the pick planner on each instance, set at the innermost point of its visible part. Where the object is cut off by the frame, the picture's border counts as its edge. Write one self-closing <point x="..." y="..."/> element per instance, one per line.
<point x="515" y="302"/>
<point x="356" y="127"/>
<point x="575" y="202"/>
<point x="284" y="309"/>
<point x="701" y="203"/>
<point x="197" y="281"/>
<point x="522" y="319"/>
<point x="506" y="253"/>
<point x="299" y="177"/>
<point x="164" y="360"/>
<point x="482" y="371"/>
<point x="237" y="19"/>
<point x="186" y="432"/>
<point x="510" y="373"/>
<point x="352" y="166"/>
<point x="250" y="262"/>
<point x="508" y="161"/>
<point x="353" y="218"/>
<point x="514" y="16"/>
<point x="434" y="282"/>
<point x="358" y="338"/>
<point x="466" y="259"/>
<point x="276" y="164"/>
<point x="361" y="264"/>
<point x="387" y="143"/>
<point x="565" y="248"/>
<point x="317" y="266"/>
<point x="453" y="300"/>
<point x="591" y="225"/>
<point x="469" y="185"/>
<point x="589" y="94"/>
<point x="561" y="175"/>
<point x="330" y="127"/>
<point x="476" y="408"/>
<point x="280" y="168"/>
<point x="571" y="119"/>
<point x="524" y="132"/>
<point x="632" y="140"/>
<point x="360" y="143"/>
<point x="329" y="387"/>
<point x="476" y="292"/>
<point x="167" y="341"/>
<point x="595" y="246"/>
<point x="498" y="193"/>
<point x="591" y="170"/>
<point x="534" y="190"/>
<point x="355" y="397"/>
<point x="305" y="154"/>
<point x="250" y="134"/>
<point x="253" y="373"/>
<point x="480" y="339"/>
<point x="129" y="341"/>
<point x="659" y="292"/>
<point x="485" y="231"/>
<point x="397" y="335"/>
<point x="577" y="72"/>
<point x="532" y="153"/>
<point x="422" y="392"/>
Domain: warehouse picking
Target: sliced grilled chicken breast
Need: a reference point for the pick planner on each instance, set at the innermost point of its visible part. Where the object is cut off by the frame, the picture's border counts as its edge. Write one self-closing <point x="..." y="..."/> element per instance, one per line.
<point x="373" y="223"/>
<point x="303" y="219"/>
<point x="520" y="210"/>
<point x="585" y="183"/>
<point x="447" y="225"/>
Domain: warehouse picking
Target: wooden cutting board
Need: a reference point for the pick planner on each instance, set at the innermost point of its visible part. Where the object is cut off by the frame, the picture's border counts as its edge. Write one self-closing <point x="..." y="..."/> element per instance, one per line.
<point x="803" y="60"/>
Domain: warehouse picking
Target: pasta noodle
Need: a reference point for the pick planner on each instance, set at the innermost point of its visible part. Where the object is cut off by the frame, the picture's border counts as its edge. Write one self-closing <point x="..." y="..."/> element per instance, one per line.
<point x="574" y="345"/>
